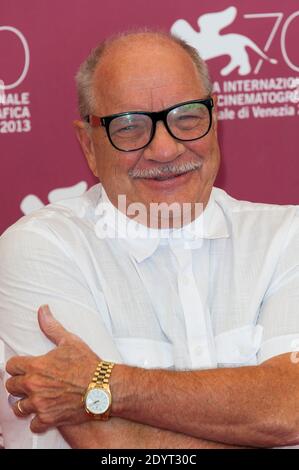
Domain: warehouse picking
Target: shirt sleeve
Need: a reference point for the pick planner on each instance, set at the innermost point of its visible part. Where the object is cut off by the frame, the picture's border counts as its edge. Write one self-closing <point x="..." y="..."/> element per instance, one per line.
<point x="279" y="314"/>
<point x="35" y="270"/>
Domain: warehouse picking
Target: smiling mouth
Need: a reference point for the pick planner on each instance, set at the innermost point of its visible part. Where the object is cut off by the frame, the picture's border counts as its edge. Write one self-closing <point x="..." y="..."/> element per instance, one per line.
<point x="170" y="176"/>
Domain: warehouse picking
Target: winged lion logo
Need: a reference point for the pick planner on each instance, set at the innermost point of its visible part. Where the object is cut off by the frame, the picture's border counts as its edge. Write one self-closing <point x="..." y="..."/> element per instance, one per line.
<point x="210" y="43"/>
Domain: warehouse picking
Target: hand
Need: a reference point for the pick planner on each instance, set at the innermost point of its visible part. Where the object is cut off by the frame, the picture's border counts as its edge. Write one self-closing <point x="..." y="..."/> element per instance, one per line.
<point x="53" y="384"/>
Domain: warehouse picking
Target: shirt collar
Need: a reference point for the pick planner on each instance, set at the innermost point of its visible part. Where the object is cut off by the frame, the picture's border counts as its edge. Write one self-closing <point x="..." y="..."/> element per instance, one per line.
<point x="142" y="241"/>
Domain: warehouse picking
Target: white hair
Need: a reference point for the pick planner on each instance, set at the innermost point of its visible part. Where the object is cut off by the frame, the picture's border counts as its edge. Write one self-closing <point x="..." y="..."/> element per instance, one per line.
<point x="84" y="76"/>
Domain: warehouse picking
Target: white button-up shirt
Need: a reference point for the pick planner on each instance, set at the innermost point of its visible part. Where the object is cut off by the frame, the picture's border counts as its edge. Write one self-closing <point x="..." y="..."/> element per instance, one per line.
<point x="221" y="292"/>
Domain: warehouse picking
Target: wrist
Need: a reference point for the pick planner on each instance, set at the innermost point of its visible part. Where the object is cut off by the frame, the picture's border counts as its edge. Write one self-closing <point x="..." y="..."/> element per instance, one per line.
<point x="123" y="390"/>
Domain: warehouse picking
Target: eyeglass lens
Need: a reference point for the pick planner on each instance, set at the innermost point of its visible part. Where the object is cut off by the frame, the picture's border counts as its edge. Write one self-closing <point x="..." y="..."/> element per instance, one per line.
<point x="186" y="122"/>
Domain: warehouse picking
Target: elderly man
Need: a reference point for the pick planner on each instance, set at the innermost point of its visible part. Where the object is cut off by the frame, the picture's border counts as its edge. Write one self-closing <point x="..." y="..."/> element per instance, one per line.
<point x="187" y="319"/>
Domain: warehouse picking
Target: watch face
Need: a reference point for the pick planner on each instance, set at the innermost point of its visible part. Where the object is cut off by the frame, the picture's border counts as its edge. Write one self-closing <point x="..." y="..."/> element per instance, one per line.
<point x="97" y="401"/>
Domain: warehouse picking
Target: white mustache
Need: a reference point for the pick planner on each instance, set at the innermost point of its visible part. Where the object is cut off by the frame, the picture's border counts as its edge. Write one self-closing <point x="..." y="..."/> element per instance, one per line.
<point x="166" y="170"/>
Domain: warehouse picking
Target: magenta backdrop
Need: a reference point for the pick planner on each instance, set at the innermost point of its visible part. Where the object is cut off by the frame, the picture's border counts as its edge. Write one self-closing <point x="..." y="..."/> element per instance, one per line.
<point x="38" y="150"/>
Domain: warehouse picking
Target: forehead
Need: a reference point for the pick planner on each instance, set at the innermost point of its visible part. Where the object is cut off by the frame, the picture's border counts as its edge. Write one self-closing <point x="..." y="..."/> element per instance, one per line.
<point x="145" y="74"/>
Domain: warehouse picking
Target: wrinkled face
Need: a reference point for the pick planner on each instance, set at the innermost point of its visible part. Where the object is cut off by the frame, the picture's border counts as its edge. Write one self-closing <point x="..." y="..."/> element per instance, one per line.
<point x="146" y="75"/>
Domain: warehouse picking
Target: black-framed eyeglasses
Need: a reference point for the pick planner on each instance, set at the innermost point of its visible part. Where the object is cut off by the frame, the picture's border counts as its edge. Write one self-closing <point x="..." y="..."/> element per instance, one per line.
<point x="134" y="130"/>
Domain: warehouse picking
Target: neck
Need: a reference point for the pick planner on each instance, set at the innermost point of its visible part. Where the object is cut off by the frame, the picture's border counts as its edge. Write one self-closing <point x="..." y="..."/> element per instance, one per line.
<point x="161" y="215"/>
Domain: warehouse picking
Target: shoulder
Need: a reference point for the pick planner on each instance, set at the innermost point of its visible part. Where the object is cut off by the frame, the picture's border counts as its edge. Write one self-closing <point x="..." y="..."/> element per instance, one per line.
<point x="260" y="215"/>
<point x="55" y="219"/>
<point x="55" y="227"/>
<point x="259" y="223"/>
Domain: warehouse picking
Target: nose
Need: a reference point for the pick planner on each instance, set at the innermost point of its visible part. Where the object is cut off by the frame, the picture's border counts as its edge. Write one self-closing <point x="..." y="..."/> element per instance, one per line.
<point x="163" y="147"/>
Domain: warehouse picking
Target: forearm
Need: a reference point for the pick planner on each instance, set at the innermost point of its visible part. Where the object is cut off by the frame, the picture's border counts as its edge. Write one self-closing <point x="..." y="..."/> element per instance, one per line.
<point x="251" y="406"/>
<point x="248" y="406"/>
<point x="121" y="434"/>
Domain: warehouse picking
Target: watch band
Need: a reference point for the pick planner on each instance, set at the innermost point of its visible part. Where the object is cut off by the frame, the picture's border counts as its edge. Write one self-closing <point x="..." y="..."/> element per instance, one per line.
<point x="102" y="373"/>
<point x="100" y="381"/>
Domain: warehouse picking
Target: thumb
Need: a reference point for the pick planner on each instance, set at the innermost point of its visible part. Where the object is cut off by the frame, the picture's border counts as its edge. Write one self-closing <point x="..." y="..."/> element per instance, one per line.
<point x="50" y="326"/>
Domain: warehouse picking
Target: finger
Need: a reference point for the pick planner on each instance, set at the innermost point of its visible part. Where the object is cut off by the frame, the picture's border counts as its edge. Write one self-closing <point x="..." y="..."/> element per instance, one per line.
<point x="50" y="326"/>
<point x="18" y="365"/>
<point x="17" y="386"/>
<point x="37" y="426"/>
<point x="23" y="408"/>
<point x="13" y="399"/>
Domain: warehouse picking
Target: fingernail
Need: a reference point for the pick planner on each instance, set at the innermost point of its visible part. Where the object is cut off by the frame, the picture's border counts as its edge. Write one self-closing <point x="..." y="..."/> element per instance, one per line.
<point x="45" y="310"/>
<point x="12" y="400"/>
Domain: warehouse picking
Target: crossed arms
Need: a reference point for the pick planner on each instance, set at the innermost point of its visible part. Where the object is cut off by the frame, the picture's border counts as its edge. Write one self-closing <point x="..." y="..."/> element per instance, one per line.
<point x="245" y="406"/>
<point x="255" y="406"/>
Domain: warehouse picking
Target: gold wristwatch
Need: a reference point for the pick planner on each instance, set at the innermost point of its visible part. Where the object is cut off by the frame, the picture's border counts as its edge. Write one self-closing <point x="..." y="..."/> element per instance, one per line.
<point x="97" y="398"/>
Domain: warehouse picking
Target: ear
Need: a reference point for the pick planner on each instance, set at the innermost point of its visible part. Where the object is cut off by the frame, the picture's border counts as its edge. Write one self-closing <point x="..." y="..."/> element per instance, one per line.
<point x="84" y="137"/>
<point x="215" y="113"/>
